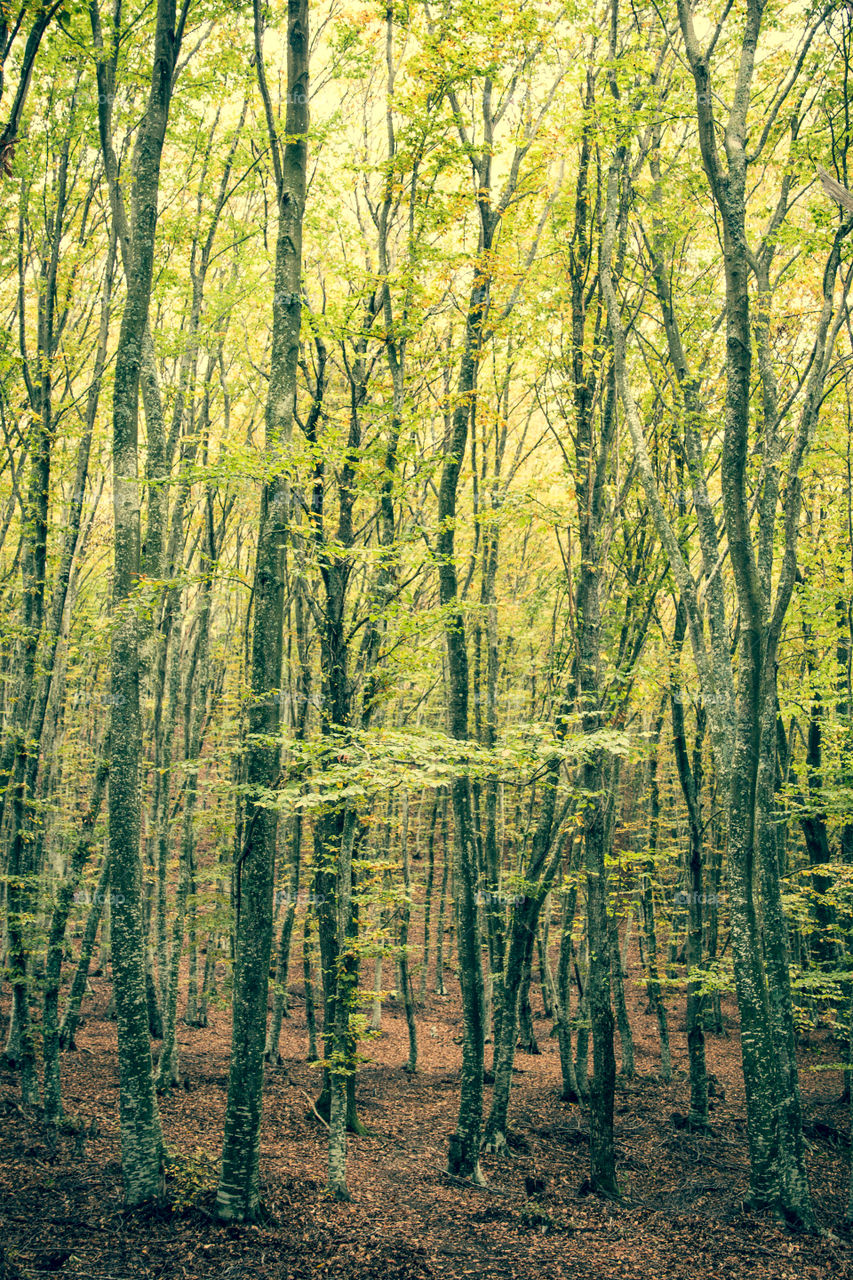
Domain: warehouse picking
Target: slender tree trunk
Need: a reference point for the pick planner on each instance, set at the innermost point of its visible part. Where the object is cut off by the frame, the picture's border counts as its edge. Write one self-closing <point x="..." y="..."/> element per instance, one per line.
<point x="208" y="982"/>
<point x="55" y="948"/>
<point x="405" y="977"/>
<point x="796" y="1195"/>
<point x="428" y="896"/>
<point x="141" y="1139"/>
<point x="571" y="1091"/>
<point x="623" y="1022"/>
<point x="340" y="1054"/>
<point x="238" y="1194"/>
<point x="310" y="1016"/>
<point x="71" y="1016"/>
<point x="300" y="727"/>
<point x="279" y="1008"/>
<point x="464" y="1152"/>
<point x="168" y="1074"/>
<point x="690" y="778"/>
<point x="170" y="959"/>
<point x="653" y="981"/>
<point x="191" y="1007"/>
<point x="442" y="902"/>
<point x="383" y="918"/>
<point x="603" y="1084"/>
<point x="582" y="1045"/>
<point x="546" y="977"/>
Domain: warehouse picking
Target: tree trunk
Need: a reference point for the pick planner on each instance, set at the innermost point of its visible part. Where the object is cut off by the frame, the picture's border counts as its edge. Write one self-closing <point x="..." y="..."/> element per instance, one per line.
<point x="653" y="982"/>
<point x="279" y="1008"/>
<point x="571" y="1091"/>
<point x="428" y="896"/>
<point x="238" y="1194"/>
<point x="310" y="1017"/>
<point x="55" y="948"/>
<point x="405" y="978"/>
<point x="546" y="977"/>
<point x="690" y="778"/>
<point x="623" y="1022"/>
<point x="141" y="1138"/>
<point x="71" y="1016"/>
<point x="442" y="902"/>
<point x="603" y="1084"/>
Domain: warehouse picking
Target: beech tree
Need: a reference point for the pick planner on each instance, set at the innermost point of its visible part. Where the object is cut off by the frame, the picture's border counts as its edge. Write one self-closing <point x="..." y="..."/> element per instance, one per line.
<point x="238" y="1196"/>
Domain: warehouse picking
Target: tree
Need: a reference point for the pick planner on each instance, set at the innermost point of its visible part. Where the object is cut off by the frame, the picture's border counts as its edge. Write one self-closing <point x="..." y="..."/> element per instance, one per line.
<point x="238" y="1195"/>
<point x="140" y="1122"/>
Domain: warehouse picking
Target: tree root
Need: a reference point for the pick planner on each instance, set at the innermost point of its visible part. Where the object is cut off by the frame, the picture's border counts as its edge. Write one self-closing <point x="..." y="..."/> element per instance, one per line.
<point x="495" y="1144"/>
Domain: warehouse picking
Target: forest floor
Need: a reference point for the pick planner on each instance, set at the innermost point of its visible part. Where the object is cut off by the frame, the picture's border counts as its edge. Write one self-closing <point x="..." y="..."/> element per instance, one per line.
<point x="682" y="1217"/>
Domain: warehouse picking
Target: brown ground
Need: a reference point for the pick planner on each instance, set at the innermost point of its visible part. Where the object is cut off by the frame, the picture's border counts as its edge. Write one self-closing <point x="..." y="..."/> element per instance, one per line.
<point x="683" y="1216"/>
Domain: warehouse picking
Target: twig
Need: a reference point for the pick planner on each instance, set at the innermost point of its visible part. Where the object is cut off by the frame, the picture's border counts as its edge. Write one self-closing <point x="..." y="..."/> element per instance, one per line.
<point x="314" y="1109"/>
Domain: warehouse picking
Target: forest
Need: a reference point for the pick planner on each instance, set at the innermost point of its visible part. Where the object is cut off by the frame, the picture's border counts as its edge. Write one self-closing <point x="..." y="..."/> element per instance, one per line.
<point x="426" y="639"/>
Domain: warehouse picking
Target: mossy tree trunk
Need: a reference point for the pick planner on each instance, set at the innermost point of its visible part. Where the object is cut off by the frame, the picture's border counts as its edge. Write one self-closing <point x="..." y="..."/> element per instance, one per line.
<point x="238" y="1193"/>
<point x="141" y="1140"/>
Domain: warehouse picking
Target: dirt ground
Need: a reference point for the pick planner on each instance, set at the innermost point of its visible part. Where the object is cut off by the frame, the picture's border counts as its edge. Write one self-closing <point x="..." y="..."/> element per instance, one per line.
<point x="682" y="1217"/>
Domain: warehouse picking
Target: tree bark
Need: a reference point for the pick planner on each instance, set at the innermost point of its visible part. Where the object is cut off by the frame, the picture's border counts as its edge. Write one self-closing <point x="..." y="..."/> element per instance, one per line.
<point x="141" y="1139"/>
<point x="55" y="948"/>
<point x="238" y="1193"/>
